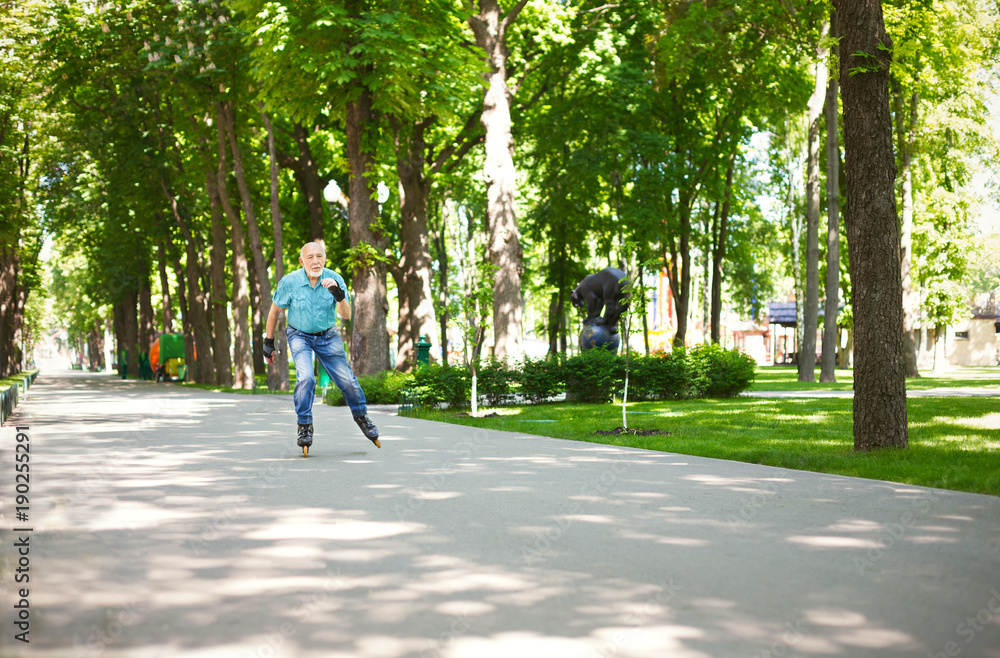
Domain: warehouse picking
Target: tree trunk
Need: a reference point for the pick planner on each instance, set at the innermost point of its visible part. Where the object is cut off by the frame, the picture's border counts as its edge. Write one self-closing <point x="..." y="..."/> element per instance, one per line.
<point x="146" y="321"/>
<point x="872" y="229"/>
<point x="705" y="292"/>
<point x="242" y="345"/>
<point x="10" y="311"/>
<point x="444" y="266"/>
<point x="223" y="361"/>
<point x="907" y="135"/>
<point x="413" y="272"/>
<point x="118" y="321"/>
<point x="490" y="29"/>
<point x="940" y="350"/>
<point x="719" y="254"/>
<point x="810" y="311"/>
<point x="168" y="314"/>
<point x="312" y="184"/>
<point x="202" y="370"/>
<point x="257" y="325"/>
<point x="263" y="283"/>
<point x="186" y="325"/>
<point x="131" y="328"/>
<point x="797" y="276"/>
<point x="95" y="344"/>
<point x="680" y="261"/>
<point x="369" y="338"/>
<point x="925" y="352"/>
<point x="279" y="371"/>
<point x="832" y="307"/>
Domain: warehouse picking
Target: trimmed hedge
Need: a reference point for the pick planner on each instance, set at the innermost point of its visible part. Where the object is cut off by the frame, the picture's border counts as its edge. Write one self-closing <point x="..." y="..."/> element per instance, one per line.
<point x="381" y="388"/>
<point x="495" y="382"/>
<point x="594" y="376"/>
<point x="720" y="373"/>
<point x="543" y="379"/>
<point x="436" y="384"/>
<point x="661" y="376"/>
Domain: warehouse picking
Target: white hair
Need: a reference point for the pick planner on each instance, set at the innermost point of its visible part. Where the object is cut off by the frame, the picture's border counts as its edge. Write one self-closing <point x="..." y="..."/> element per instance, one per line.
<point x="302" y="251"/>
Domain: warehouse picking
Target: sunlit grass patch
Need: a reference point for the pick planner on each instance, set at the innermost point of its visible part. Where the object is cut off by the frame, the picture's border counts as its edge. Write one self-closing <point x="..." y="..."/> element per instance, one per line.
<point x="954" y="442"/>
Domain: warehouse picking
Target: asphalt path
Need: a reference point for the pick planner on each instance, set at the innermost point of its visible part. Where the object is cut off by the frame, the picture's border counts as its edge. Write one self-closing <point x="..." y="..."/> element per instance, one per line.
<point x="168" y="521"/>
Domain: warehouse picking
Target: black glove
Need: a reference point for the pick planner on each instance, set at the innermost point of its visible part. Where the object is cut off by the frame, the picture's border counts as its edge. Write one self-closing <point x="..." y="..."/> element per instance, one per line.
<point x="269" y="348"/>
<point x="337" y="292"/>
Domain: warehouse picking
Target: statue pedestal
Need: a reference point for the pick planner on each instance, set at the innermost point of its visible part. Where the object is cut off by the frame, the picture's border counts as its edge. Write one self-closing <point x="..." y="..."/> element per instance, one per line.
<point x="599" y="335"/>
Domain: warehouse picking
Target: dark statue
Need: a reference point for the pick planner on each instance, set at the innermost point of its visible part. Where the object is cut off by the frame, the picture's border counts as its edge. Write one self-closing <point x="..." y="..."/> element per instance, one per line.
<point x="601" y="291"/>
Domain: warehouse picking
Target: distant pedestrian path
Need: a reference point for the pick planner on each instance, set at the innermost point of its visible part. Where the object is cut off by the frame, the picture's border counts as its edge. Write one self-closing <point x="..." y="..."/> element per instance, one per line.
<point x="972" y="381"/>
<point x="170" y="521"/>
<point x="942" y="392"/>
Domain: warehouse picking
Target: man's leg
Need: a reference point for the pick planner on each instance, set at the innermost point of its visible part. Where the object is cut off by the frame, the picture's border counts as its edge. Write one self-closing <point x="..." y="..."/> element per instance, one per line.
<point x="305" y="386"/>
<point x="330" y="351"/>
<point x="333" y="358"/>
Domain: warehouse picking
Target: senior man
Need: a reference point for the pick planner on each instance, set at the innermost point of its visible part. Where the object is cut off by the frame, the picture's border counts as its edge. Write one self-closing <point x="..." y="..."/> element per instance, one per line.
<point x="314" y="296"/>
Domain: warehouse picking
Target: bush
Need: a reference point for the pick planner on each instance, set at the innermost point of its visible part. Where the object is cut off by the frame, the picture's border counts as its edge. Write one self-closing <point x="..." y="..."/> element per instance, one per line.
<point x="720" y="373"/>
<point x="380" y="388"/>
<point x="435" y="384"/>
<point x="494" y="382"/>
<point x="594" y="376"/>
<point x="542" y="379"/>
<point x="661" y="376"/>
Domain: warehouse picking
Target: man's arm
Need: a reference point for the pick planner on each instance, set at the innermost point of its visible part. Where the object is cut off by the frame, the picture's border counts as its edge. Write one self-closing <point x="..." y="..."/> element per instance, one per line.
<point x="344" y="308"/>
<point x="272" y="320"/>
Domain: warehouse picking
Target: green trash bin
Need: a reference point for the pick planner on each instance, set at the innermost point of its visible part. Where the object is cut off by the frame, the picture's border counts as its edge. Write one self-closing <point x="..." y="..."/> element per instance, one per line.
<point x="182" y="372"/>
<point x="322" y="378"/>
<point x="423" y="351"/>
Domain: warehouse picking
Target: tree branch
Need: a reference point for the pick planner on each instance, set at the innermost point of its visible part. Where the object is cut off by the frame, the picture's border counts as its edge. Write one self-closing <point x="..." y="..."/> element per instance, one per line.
<point x="458" y="151"/>
<point x="511" y="17"/>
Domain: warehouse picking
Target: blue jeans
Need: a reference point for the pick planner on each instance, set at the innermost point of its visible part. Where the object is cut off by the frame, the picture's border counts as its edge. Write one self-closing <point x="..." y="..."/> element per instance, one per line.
<point x="330" y="350"/>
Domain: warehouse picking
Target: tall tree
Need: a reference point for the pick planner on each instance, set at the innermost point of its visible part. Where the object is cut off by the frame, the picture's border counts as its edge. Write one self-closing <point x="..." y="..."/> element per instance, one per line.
<point x="220" y="323"/>
<point x="831" y="308"/>
<point x="227" y="114"/>
<point x="880" y="419"/>
<point x="22" y="122"/>
<point x="361" y="67"/>
<point x="810" y="314"/>
<point x="907" y="137"/>
<point x="490" y="27"/>
<point x="720" y="233"/>
<point x="281" y="367"/>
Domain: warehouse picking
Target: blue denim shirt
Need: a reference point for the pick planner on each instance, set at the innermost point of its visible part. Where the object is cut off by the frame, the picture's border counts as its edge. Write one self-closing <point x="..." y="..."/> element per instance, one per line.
<point x="310" y="309"/>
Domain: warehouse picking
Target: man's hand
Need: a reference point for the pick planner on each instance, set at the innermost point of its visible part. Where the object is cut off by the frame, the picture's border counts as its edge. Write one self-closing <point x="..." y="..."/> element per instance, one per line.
<point x="334" y="288"/>
<point x="269" y="350"/>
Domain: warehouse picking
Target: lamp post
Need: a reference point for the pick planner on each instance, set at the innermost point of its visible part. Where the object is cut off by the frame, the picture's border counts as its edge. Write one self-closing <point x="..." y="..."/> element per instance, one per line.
<point x="333" y="194"/>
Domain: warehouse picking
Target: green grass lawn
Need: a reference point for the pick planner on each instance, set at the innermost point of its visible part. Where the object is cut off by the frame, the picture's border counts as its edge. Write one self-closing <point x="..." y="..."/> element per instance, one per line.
<point x="954" y="442"/>
<point x="785" y="378"/>
<point x="15" y="379"/>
